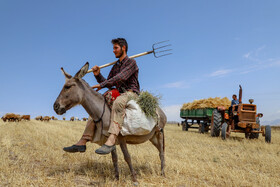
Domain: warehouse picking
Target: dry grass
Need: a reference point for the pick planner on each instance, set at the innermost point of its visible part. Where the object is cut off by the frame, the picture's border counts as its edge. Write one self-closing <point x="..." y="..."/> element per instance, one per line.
<point x="207" y="103"/>
<point x="31" y="155"/>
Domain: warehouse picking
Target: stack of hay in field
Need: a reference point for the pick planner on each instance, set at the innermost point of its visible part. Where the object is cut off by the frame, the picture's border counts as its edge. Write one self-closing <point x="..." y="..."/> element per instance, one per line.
<point x="207" y="103"/>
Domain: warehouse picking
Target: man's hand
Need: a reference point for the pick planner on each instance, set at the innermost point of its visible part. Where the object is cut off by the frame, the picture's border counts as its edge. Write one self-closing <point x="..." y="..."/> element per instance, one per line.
<point x="98" y="87"/>
<point x="96" y="70"/>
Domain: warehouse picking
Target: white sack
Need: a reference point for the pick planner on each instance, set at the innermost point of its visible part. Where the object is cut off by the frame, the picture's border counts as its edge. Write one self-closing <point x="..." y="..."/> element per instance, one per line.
<point x="135" y="121"/>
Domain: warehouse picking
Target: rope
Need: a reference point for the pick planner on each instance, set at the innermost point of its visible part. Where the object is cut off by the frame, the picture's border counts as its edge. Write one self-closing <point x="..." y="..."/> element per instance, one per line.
<point x="100" y="119"/>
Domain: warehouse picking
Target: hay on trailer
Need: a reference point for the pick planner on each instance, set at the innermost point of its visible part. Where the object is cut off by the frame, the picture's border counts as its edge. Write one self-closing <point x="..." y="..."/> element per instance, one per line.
<point x="207" y="103"/>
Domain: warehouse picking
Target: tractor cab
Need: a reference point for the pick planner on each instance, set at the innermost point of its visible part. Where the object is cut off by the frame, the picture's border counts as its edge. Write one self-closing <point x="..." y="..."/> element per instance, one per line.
<point x="243" y="115"/>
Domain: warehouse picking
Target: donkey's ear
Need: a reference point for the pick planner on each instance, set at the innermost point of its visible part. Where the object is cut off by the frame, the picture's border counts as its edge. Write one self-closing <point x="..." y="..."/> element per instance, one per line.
<point x="67" y="76"/>
<point x="82" y="71"/>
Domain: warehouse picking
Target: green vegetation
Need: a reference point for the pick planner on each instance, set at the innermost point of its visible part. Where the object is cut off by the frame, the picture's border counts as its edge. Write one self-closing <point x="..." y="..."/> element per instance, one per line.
<point x="148" y="103"/>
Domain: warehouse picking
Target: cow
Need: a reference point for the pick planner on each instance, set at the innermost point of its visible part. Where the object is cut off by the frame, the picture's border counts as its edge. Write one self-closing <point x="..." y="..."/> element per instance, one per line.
<point x="84" y="119"/>
<point x="64" y="118"/>
<point x="72" y="119"/>
<point x="54" y="118"/>
<point x="11" y="117"/>
<point x="25" y="117"/>
<point x="4" y="119"/>
<point x="39" y="118"/>
<point x="46" y="118"/>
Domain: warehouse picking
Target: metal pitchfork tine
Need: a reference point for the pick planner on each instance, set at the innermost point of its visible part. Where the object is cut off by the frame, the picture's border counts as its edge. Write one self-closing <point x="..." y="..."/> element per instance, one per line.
<point x="160" y="47"/>
<point x="155" y="51"/>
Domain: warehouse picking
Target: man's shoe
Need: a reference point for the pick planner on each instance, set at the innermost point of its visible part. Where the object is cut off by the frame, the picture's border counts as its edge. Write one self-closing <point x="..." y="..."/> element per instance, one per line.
<point x="75" y="148"/>
<point x="105" y="149"/>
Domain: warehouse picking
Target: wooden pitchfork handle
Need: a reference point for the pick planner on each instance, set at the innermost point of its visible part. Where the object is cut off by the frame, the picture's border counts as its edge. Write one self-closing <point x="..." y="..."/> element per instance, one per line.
<point x="112" y="63"/>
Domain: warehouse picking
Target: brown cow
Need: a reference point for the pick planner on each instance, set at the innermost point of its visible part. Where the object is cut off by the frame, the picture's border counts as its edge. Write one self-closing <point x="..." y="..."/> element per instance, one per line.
<point x="39" y="118"/>
<point x="17" y="117"/>
<point x="25" y="117"/>
<point x="72" y="119"/>
<point x="54" y="118"/>
<point x="46" y="118"/>
<point x="84" y="119"/>
<point x="4" y="119"/>
<point x="11" y="117"/>
<point x="64" y="118"/>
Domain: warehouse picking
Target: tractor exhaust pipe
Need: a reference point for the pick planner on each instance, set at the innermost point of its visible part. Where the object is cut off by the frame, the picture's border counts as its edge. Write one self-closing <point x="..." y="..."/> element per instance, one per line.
<point x="240" y="94"/>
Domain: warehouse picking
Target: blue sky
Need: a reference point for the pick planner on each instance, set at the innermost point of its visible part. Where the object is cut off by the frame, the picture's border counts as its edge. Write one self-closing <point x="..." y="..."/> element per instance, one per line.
<point x="217" y="45"/>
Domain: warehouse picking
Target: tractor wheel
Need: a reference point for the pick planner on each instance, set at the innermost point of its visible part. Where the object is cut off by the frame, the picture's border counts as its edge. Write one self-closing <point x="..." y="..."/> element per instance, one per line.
<point x="216" y="123"/>
<point x="224" y="131"/>
<point x="254" y="135"/>
<point x="267" y="134"/>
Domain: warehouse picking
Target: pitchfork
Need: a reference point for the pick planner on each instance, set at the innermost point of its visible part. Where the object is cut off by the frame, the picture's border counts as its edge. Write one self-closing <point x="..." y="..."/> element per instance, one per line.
<point x="156" y="50"/>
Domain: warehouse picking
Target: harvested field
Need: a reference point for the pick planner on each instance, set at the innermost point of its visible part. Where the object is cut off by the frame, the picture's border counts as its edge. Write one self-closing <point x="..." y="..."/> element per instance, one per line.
<point x="31" y="155"/>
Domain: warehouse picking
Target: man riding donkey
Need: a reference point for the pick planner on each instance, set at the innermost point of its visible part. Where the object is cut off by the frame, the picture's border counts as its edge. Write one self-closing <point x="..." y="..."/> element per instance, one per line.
<point x="123" y="76"/>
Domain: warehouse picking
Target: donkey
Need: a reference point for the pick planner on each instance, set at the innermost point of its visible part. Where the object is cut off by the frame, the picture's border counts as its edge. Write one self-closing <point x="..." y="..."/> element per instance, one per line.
<point x="76" y="91"/>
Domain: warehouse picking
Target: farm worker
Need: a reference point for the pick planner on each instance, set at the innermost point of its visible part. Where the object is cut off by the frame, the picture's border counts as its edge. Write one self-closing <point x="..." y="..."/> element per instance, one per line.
<point x="260" y="115"/>
<point x="234" y="100"/>
<point x="123" y="76"/>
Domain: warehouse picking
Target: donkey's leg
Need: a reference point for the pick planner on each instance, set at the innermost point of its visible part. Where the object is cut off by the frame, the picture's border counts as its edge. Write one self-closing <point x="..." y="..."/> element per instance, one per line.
<point x="115" y="163"/>
<point x="127" y="159"/>
<point x="158" y="141"/>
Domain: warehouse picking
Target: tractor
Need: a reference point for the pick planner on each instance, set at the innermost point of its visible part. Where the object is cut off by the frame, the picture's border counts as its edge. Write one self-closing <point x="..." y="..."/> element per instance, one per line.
<point x="242" y="118"/>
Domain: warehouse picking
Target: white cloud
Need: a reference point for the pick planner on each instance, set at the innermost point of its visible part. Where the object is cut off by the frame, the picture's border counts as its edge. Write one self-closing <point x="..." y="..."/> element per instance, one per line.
<point x="275" y="63"/>
<point x="179" y="84"/>
<point x="253" y="55"/>
<point x="247" y="55"/>
<point x="262" y="64"/>
<point x="221" y="72"/>
<point x="172" y="112"/>
<point x="246" y="71"/>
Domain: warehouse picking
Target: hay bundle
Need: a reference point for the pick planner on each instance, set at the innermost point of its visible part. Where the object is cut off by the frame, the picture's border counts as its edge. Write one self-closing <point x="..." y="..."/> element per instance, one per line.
<point x="207" y="103"/>
<point x="148" y="103"/>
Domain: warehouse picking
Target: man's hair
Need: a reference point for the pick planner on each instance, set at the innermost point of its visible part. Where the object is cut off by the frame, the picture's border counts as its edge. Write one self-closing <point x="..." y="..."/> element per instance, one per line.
<point x="234" y="95"/>
<point x="121" y="42"/>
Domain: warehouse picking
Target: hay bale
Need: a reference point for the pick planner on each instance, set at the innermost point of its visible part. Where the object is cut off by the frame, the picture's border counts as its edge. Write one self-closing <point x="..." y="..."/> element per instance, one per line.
<point x="207" y="103"/>
<point x="148" y="103"/>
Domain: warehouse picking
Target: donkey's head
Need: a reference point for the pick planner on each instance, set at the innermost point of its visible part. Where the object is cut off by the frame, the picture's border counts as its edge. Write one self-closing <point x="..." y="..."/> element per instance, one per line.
<point x="72" y="92"/>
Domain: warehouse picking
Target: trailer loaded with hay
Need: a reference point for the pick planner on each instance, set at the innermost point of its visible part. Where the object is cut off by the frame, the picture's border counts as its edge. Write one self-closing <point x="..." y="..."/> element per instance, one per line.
<point x="218" y="115"/>
<point x="198" y="114"/>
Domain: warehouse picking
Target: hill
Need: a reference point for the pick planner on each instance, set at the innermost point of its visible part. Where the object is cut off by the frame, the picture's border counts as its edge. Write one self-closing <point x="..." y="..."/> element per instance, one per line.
<point x="31" y="155"/>
<point x="272" y="123"/>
